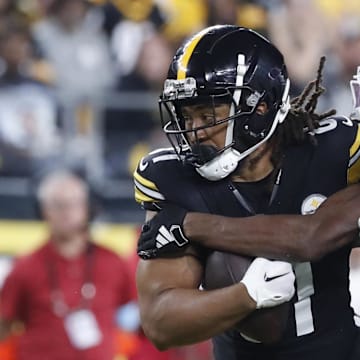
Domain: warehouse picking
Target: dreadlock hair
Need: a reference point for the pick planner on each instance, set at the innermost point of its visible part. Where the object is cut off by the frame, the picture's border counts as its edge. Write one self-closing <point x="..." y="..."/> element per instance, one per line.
<point x="302" y="120"/>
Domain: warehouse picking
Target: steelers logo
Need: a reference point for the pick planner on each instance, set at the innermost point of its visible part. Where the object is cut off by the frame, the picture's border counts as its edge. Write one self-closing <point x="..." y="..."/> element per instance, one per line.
<point x="311" y="203"/>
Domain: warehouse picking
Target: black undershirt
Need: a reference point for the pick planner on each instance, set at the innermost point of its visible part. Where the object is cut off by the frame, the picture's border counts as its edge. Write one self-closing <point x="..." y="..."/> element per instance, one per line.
<point x="257" y="193"/>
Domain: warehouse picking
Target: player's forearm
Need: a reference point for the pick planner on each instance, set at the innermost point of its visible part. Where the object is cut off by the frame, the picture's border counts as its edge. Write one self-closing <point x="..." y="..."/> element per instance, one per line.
<point x="283" y="237"/>
<point x="277" y="236"/>
<point x="186" y="316"/>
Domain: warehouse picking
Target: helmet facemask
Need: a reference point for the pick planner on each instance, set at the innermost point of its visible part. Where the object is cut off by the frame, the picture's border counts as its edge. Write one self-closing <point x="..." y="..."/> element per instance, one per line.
<point x="246" y="128"/>
<point x="185" y="140"/>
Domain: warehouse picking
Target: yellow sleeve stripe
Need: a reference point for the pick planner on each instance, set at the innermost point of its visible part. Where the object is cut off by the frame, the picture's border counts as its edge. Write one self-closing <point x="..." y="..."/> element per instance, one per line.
<point x="354" y="161"/>
<point x="141" y="197"/>
<point x="354" y="173"/>
<point x="148" y="192"/>
<point x="145" y="182"/>
<point x="355" y="146"/>
<point x="188" y="51"/>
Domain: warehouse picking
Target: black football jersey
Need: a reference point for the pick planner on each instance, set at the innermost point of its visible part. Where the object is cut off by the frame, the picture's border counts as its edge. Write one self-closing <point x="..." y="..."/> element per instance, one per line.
<point x="321" y="311"/>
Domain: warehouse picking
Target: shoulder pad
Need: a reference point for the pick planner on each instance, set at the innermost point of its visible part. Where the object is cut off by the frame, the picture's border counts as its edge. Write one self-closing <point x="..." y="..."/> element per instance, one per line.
<point x="345" y="135"/>
<point x="150" y="173"/>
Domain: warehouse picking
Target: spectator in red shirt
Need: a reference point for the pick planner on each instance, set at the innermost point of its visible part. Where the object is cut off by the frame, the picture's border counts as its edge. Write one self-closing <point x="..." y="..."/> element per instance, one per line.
<point x="67" y="292"/>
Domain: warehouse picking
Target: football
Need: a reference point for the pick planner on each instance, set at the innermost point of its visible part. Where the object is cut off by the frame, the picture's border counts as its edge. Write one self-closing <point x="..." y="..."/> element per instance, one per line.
<point x="264" y="325"/>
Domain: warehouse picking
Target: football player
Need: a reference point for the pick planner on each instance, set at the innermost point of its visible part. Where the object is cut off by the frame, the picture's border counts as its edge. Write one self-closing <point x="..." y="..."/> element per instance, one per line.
<point x="246" y="154"/>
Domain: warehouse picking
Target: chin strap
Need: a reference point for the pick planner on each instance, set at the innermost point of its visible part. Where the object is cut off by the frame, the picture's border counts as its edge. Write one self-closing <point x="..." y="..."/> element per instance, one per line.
<point x="221" y="166"/>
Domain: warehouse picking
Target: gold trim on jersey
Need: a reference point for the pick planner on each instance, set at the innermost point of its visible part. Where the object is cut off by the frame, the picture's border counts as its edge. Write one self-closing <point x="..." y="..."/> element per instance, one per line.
<point x="188" y="51"/>
<point x="354" y="161"/>
<point x="147" y="183"/>
<point x="146" y="190"/>
<point x="141" y="197"/>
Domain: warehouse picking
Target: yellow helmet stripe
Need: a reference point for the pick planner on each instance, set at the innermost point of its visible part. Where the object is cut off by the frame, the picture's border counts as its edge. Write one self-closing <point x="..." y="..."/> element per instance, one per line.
<point x="188" y="51"/>
<point x="147" y="183"/>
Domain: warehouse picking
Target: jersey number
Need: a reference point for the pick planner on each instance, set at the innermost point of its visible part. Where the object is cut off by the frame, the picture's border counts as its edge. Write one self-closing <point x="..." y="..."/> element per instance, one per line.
<point x="331" y="124"/>
<point x="305" y="288"/>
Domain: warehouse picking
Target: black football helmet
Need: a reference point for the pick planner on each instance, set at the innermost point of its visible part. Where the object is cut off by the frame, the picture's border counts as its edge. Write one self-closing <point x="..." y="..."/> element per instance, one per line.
<point x="225" y="64"/>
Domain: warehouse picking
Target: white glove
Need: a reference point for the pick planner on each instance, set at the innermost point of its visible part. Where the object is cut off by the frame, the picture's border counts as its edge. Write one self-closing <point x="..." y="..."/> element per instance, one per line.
<point x="269" y="283"/>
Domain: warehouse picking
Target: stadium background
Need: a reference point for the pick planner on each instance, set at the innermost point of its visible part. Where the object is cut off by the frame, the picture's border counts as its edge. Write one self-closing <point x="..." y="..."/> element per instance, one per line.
<point x="79" y="82"/>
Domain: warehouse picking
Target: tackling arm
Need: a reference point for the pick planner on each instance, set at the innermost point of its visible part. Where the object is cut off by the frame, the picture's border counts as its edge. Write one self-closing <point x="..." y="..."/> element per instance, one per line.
<point x="287" y="237"/>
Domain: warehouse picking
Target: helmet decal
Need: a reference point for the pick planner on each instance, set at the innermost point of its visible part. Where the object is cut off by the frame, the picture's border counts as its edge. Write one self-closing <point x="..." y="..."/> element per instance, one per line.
<point x="179" y="89"/>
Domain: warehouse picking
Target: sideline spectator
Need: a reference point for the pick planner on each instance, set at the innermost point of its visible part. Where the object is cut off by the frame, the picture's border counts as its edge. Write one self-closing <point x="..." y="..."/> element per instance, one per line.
<point x="142" y="54"/>
<point x="71" y="39"/>
<point x="245" y="13"/>
<point x="29" y="136"/>
<point x="301" y="32"/>
<point x="343" y="62"/>
<point x="67" y="292"/>
<point x="186" y="17"/>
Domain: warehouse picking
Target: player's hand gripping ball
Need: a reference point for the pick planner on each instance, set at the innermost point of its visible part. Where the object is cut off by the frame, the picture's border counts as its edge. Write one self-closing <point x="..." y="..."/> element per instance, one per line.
<point x="266" y="324"/>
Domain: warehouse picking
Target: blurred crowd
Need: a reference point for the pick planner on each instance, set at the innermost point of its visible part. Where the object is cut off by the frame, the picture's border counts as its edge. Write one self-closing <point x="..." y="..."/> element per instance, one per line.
<point x="79" y="79"/>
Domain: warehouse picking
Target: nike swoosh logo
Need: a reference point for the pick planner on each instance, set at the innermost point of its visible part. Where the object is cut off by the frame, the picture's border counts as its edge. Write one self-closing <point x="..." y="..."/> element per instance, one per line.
<point x="143" y="165"/>
<point x="274" y="277"/>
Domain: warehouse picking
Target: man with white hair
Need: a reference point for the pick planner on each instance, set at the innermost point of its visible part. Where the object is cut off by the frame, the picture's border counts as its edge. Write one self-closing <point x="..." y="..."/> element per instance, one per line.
<point x="68" y="285"/>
